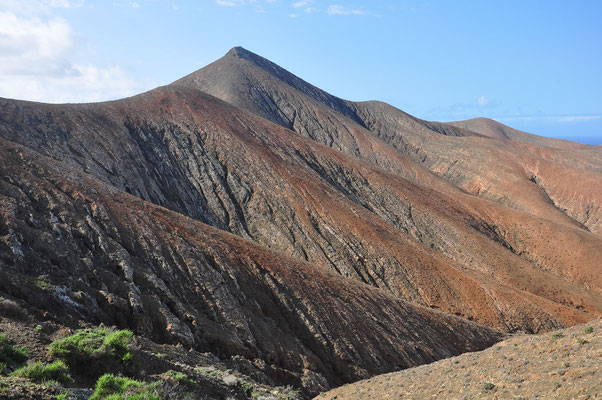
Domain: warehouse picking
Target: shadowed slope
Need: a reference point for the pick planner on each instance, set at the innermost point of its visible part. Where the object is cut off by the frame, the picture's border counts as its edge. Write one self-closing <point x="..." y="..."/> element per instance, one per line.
<point x="109" y="257"/>
<point x="189" y="152"/>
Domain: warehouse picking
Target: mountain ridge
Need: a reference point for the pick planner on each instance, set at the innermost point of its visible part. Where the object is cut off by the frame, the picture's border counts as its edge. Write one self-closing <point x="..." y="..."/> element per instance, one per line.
<point x="229" y="210"/>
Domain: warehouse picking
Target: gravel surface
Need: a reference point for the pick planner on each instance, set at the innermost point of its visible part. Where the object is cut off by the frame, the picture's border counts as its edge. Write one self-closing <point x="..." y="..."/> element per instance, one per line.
<point x="564" y="364"/>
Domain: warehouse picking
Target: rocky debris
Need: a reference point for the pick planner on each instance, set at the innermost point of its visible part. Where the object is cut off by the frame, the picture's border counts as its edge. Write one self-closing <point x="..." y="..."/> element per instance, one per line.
<point x="231" y="378"/>
<point x="12" y="388"/>
<point x="556" y="365"/>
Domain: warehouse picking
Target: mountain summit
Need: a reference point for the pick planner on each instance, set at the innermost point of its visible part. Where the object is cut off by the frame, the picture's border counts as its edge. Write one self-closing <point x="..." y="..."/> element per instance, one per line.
<point x="297" y="237"/>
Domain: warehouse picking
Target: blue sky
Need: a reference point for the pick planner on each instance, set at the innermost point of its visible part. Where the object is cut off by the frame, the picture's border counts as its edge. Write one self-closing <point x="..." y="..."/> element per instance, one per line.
<point x="534" y="65"/>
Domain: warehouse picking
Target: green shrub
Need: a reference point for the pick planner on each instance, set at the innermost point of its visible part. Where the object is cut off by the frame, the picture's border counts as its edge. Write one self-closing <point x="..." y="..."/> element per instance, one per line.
<point x="558" y="335"/>
<point x="40" y="372"/>
<point x="11" y="355"/>
<point x="63" y="395"/>
<point x="589" y="330"/>
<point x="247" y="387"/>
<point x="42" y="284"/>
<point x="180" y="378"/>
<point x="111" y="387"/>
<point x="487" y="387"/>
<point x="95" y="351"/>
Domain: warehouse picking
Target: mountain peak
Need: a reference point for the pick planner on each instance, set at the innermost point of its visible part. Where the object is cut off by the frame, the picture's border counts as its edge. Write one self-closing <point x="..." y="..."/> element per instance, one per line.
<point x="240" y="52"/>
<point x="240" y="72"/>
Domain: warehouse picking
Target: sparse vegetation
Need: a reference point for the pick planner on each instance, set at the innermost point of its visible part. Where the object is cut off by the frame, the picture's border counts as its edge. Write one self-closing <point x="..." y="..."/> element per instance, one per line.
<point x="289" y="393"/>
<point x="111" y="387"/>
<point x="180" y="378"/>
<point x="209" y="372"/>
<point x="63" y="395"/>
<point x="39" y="372"/>
<point x="10" y="308"/>
<point x="247" y="387"/>
<point x="582" y="341"/>
<point x="589" y="330"/>
<point x="11" y="355"/>
<point x="557" y="336"/>
<point x="487" y="387"/>
<point x="95" y="351"/>
<point x="42" y="284"/>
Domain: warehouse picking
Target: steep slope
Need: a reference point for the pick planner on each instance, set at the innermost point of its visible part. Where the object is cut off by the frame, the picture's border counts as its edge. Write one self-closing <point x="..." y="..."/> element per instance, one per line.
<point x="560" y="365"/>
<point x="109" y="257"/>
<point x="503" y="173"/>
<point x="184" y="150"/>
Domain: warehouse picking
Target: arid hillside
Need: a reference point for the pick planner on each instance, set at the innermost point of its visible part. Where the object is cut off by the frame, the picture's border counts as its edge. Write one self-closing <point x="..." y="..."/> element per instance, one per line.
<point x="243" y="212"/>
<point x="107" y="257"/>
<point x="563" y="364"/>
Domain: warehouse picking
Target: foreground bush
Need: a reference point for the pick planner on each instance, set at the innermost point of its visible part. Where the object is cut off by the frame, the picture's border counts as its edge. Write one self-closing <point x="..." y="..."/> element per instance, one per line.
<point x="95" y="351"/>
<point x="111" y="387"/>
<point x="40" y="372"/>
<point x="11" y="355"/>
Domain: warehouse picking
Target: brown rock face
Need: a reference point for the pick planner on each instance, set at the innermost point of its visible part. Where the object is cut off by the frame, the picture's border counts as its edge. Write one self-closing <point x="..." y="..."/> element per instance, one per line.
<point x="285" y="225"/>
<point x="109" y="257"/>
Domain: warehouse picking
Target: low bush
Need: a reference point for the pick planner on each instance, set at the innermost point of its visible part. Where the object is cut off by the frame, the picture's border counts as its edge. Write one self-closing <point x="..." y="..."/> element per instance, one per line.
<point x="557" y="336"/>
<point x="40" y="372"/>
<point x="111" y="387"/>
<point x="247" y="387"/>
<point x="11" y="355"/>
<point x="180" y="378"/>
<point x="11" y="309"/>
<point x="487" y="387"/>
<point x="95" y="351"/>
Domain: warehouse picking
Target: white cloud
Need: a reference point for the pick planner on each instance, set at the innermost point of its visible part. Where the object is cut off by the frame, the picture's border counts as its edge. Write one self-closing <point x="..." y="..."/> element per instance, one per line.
<point x="35" y="63"/>
<point x="65" y="3"/>
<point x="87" y="83"/>
<point x="300" y="4"/>
<point x="30" y="46"/>
<point x="234" y="3"/>
<point x="482" y="101"/>
<point x="292" y="15"/>
<point x="37" y="6"/>
<point x="337" y="9"/>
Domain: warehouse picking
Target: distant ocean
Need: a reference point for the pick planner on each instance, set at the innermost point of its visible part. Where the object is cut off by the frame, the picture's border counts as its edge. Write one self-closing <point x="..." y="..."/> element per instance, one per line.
<point x="587" y="140"/>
